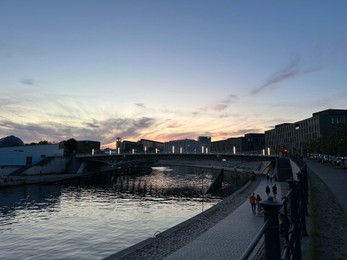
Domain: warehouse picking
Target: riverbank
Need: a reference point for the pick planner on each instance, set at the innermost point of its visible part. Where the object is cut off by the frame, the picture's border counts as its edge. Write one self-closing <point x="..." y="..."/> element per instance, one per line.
<point x="9" y="181"/>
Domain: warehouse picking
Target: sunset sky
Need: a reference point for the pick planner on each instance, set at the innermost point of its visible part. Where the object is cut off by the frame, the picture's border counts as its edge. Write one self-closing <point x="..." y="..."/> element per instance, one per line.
<point x="167" y="70"/>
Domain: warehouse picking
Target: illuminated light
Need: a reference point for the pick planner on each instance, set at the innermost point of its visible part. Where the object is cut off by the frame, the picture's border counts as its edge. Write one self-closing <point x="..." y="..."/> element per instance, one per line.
<point x="202" y="149"/>
<point x="234" y="150"/>
<point x="181" y="150"/>
<point x="268" y="151"/>
<point x="133" y="151"/>
<point x="173" y="149"/>
<point x="92" y="151"/>
<point x="206" y="150"/>
<point x="118" y="150"/>
<point x="263" y="151"/>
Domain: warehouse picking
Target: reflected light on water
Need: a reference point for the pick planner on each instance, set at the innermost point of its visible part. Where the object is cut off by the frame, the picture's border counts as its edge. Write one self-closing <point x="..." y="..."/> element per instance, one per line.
<point x="93" y="221"/>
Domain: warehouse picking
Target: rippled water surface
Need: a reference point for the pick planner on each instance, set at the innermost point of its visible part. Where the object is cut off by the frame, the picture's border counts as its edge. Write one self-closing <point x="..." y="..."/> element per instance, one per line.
<point x="95" y="219"/>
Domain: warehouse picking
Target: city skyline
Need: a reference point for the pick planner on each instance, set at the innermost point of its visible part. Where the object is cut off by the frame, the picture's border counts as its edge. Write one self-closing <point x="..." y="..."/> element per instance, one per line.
<point x="98" y="70"/>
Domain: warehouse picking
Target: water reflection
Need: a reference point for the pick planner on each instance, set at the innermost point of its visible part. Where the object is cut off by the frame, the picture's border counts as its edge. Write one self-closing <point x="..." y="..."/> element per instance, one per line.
<point x="98" y="216"/>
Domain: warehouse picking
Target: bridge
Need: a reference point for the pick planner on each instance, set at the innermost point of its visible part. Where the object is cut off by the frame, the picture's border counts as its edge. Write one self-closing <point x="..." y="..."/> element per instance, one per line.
<point x="109" y="161"/>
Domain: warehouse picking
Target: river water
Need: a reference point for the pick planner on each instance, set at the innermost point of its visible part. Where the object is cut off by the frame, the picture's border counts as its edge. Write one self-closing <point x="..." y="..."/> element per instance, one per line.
<point x="95" y="219"/>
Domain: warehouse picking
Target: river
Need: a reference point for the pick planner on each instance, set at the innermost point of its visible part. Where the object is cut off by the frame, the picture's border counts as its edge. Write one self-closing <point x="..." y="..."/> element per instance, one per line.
<point x="98" y="218"/>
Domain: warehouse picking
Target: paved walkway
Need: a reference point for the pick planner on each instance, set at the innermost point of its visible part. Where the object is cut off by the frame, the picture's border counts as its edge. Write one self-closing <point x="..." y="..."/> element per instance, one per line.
<point x="230" y="238"/>
<point x="335" y="179"/>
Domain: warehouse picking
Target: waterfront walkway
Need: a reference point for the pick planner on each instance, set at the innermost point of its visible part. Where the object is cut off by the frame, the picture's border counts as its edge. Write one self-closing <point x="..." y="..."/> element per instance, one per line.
<point x="230" y="238"/>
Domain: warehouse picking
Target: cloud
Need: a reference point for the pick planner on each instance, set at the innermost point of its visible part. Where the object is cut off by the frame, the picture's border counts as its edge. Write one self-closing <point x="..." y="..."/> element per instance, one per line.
<point x="28" y="81"/>
<point x="104" y="131"/>
<point x="224" y="104"/>
<point x="290" y="71"/>
<point x="140" y="105"/>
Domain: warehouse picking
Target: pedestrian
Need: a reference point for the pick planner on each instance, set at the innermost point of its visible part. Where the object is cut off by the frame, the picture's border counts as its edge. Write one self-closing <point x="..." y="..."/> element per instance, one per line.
<point x="274" y="191"/>
<point x="258" y="200"/>
<point x="252" y="200"/>
<point x="267" y="190"/>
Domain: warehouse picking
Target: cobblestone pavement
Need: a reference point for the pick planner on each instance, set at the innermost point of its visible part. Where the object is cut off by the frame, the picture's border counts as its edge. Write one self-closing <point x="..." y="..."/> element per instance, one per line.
<point x="223" y="232"/>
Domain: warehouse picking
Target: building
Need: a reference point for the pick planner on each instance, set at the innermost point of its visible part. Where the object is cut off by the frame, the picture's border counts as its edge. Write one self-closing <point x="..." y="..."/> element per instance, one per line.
<point x="181" y="146"/>
<point x="252" y="143"/>
<point x="294" y="138"/>
<point x="204" y="144"/>
<point x="199" y="146"/>
<point x="150" y="146"/>
<point x="14" y="154"/>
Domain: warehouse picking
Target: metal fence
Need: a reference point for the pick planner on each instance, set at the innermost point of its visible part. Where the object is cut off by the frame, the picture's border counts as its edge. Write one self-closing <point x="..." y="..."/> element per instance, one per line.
<point x="284" y="222"/>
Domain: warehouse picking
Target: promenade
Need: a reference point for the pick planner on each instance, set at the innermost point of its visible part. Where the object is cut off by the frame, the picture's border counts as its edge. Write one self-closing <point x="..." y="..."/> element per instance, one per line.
<point x="227" y="239"/>
<point x="230" y="238"/>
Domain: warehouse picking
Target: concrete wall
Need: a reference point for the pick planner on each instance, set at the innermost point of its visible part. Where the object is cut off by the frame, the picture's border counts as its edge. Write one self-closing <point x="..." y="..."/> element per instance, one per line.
<point x="56" y="165"/>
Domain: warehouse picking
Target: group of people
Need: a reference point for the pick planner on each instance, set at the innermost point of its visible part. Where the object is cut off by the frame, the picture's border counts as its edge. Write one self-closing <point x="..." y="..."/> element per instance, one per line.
<point x="255" y="203"/>
<point x="274" y="191"/>
<point x="254" y="200"/>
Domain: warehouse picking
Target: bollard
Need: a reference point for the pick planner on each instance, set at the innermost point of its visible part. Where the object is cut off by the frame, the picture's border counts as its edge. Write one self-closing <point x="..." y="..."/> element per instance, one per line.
<point x="272" y="233"/>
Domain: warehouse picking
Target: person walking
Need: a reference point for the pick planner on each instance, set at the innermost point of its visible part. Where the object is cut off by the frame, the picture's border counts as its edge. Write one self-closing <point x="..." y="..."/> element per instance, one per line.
<point x="274" y="191"/>
<point x="252" y="201"/>
<point x="267" y="190"/>
<point x="258" y="200"/>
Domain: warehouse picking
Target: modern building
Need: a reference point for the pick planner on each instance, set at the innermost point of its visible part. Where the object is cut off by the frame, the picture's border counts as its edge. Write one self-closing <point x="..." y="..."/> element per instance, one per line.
<point x="14" y="154"/>
<point x="294" y="138"/>
<point x="199" y="146"/>
<point x="150" y="146"/>
<point x="252" y="143"/>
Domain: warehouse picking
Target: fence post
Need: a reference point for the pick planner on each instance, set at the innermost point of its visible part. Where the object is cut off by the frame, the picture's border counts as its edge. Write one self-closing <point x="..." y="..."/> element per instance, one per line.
<point x="272" y="233"/>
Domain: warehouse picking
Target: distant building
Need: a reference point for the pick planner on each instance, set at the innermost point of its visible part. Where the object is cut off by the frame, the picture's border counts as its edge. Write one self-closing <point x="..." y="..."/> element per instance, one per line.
<point x="141" y="146"/>
<point x="181" y="146"/>
<point x="294" y="138"/>
<point x="150" y="146"/>
<point x="250" y="143"/>
<point x="14" y="154"/>
<point x="202" y="145"/>
<point x="87" y="146"/>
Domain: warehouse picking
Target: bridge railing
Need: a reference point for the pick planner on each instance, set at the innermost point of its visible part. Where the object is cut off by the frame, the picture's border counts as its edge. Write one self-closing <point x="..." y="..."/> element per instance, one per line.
<point x="284" y="230"/>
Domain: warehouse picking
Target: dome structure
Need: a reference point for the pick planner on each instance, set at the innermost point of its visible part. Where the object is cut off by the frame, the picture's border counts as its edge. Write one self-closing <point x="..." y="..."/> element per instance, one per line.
<point x="11" y="141"/>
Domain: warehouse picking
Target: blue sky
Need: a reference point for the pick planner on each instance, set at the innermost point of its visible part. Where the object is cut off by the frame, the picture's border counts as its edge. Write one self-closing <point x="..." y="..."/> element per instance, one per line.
<point x="167" y="70"/>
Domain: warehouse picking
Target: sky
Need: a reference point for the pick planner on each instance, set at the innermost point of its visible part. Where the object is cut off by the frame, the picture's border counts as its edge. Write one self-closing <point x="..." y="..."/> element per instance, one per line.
<point x="167" y="70"/>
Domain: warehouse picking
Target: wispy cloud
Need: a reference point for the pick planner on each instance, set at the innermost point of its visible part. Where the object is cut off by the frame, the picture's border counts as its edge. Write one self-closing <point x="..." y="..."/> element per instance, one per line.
<point x="293" y="69"/>
<point x="140" y="105"/>
<point x="28" y="81"/>
<point x="225" y="103"/>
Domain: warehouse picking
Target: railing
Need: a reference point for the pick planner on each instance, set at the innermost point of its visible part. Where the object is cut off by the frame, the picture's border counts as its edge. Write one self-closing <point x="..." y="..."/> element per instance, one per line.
<point x="290" y="224"/>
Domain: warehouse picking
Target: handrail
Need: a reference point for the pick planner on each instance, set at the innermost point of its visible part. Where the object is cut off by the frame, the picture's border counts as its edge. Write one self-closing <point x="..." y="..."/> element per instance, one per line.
<point x="255" y="241"/>
<point x="292" y="228"/>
